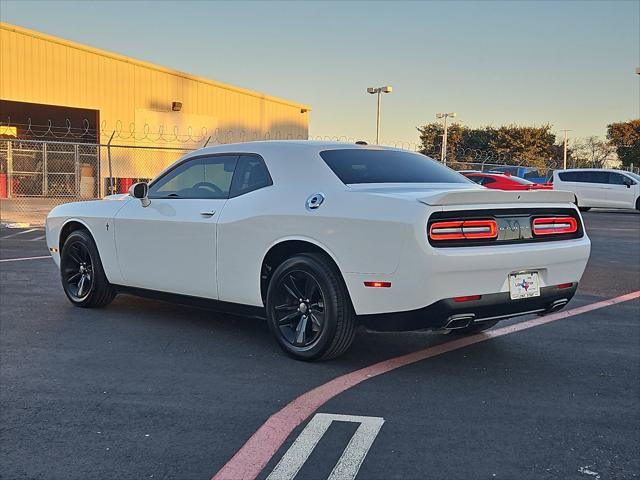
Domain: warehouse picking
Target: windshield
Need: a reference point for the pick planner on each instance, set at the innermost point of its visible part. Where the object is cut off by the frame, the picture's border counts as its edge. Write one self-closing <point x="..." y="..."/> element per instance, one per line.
<point x="635" y="176"/>
<point x="359" y="165"/>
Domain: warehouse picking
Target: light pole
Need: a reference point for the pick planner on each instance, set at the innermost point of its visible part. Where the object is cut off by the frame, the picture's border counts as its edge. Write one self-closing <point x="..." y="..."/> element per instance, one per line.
<point x="379" y="91"/>
<point x="564" y="161"/>
<point x="443" y="153"/>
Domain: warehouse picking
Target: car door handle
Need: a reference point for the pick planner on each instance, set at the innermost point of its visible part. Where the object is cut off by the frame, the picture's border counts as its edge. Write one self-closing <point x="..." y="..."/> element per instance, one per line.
<point x="209" y="213"/>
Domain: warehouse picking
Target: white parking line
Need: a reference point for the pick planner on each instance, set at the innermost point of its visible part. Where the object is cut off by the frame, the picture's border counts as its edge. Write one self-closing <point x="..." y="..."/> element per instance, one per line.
<point x="19" y="233"/>
<point x="25" y="258"/>
<point x="42" y="237"/>
<point x="351" y="459"/>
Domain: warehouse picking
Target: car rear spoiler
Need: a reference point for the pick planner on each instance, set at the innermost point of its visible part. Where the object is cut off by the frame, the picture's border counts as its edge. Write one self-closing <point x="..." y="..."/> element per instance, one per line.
<point x="475" y="197"/>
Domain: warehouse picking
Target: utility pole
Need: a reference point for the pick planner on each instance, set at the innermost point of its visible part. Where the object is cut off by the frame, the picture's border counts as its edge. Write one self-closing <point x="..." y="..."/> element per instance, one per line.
<point x="379" y="91"/>
<point x="564" y="162"/>
<point x="443" y="153"/>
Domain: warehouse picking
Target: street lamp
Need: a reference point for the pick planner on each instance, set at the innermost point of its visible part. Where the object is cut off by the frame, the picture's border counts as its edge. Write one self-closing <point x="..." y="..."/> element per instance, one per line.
<point x="379" y="91"/>
<point x="446" y="115"/>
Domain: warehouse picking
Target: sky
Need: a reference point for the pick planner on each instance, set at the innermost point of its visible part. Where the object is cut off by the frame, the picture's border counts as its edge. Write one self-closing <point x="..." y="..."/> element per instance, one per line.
<point x="570" y="64"/>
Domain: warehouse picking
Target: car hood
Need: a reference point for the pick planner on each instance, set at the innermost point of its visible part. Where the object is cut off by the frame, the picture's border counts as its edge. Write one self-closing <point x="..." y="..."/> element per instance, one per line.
<point x="117" y="196"/>
<point x="463" y="194"/>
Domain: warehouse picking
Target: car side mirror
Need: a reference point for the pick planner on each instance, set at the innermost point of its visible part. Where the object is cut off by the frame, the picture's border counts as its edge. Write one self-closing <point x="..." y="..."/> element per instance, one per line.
<point x="140" y="191"/>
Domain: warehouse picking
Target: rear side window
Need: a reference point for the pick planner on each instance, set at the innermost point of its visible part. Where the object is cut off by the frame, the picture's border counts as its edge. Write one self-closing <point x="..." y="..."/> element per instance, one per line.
<point x="353" y="166"/>
<point x="573" y="176"/>
<point x="251" y="174"/>
<point x="588" y="176"/>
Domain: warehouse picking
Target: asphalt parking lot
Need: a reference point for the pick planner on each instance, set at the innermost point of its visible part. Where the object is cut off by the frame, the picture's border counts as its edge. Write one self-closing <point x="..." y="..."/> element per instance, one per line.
<point x="145" y="389"/>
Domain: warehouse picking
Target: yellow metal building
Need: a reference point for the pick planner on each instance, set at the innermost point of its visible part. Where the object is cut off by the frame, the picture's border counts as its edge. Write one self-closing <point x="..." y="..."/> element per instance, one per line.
<point x="115" y="92"/>
<point x="61" y="100"/>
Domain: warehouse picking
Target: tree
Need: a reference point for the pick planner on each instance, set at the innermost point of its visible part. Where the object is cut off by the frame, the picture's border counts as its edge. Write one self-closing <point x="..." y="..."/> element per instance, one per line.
<point x="591" y="153"/>
<point x="532" y="146"/>
<point x="625" y="137"/>
<point x="507" y="144"/>
<point x="431" y="138"/>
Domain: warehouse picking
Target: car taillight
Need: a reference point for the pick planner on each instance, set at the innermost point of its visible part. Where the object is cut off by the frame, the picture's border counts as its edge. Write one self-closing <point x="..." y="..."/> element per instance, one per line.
<point x="463" y="230"/>
<point x="554" y="225"/>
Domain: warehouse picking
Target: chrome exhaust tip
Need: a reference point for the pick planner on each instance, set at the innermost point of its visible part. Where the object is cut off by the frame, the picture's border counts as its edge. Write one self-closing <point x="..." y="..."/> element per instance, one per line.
<point x="459" y="321"/>
<point x="558" y="304"/>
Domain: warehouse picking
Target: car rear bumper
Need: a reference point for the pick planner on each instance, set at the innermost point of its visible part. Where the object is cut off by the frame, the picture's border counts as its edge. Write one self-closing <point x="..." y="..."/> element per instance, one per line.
<point x="450" y="314"/>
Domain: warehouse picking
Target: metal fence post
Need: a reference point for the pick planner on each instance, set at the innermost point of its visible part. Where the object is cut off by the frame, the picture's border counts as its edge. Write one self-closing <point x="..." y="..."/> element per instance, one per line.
<point x="110" y="169"/>
<point x="45" y="169"/>
<point x="9" y="169"/>
<point x="76" y="161"/>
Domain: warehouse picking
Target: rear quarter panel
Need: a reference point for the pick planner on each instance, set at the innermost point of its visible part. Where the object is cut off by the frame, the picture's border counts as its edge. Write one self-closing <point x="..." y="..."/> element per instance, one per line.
<point x="363" y="233"/>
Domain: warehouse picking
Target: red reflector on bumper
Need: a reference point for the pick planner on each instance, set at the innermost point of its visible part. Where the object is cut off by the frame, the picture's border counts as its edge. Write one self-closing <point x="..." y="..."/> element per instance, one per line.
<point x="565" y="285"/>
<point x="467" y="298"/>
<point x="378" y="284"/>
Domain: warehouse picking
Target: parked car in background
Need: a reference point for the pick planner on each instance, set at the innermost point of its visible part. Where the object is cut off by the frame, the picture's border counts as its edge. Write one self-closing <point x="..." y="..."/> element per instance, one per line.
<point x="597" y="187"/>
<point x="319" y="237"/>
<point x="499" y="181"/>
<point x="528" y="173"/>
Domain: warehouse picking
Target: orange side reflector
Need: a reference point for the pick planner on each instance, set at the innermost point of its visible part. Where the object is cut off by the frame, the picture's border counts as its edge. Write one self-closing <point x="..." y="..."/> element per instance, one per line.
<point x="378" y="284"/>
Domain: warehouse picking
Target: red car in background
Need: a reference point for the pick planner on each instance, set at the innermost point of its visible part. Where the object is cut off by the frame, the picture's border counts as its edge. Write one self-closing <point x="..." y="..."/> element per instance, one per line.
<point x="500" y="181"/>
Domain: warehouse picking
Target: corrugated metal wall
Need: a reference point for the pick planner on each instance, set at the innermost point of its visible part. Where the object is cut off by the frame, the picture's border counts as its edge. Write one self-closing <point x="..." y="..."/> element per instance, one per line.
<point x="39" y="68"/>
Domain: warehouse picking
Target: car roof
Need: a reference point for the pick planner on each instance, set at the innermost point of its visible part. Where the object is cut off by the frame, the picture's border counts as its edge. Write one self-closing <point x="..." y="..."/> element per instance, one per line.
<point x="264" y="146"/>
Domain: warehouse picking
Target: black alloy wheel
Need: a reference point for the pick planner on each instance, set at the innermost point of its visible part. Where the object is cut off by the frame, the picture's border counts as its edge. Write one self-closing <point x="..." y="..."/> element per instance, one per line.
<point x="308" y="308"/>
<point x="83" y="278"/>
<point x="300" y="308"/>
<point x="77" y="271"/>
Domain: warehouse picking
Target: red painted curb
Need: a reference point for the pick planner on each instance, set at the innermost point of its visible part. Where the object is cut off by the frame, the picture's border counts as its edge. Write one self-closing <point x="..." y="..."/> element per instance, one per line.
<point x="254" y="455"/>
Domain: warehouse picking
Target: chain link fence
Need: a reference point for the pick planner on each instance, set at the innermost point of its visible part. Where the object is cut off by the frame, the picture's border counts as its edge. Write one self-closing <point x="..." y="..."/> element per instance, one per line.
<point x="37" y="175"/>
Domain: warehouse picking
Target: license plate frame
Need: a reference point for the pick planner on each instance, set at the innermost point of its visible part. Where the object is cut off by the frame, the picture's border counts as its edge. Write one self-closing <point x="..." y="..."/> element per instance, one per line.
<point x="524" y="285"/>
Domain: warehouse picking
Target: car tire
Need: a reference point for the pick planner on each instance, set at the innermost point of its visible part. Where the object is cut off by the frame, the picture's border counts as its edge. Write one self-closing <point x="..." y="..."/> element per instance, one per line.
<point x="474" y="328"/>
<point x="83" y="279"/>
<point x="308" y="308"/>
<point x="638" y="204"/>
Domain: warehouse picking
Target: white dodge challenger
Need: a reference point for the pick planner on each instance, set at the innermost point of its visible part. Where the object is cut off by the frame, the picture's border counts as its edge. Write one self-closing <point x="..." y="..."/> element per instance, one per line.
<point x="321" y="237"/>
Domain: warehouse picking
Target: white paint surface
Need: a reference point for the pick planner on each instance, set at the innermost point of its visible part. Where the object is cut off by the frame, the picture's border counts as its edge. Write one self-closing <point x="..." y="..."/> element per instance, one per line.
<point x="351" y="459"/>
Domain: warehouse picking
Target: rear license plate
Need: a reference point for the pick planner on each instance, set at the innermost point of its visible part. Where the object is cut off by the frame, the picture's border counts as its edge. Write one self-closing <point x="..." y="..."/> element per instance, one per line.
<point x="524" y="285"/>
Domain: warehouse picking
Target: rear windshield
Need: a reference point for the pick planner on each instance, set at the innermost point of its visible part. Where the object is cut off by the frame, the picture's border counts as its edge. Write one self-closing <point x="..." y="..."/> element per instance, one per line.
<point x="520" y="180"/>
<point x="387" y="166"/>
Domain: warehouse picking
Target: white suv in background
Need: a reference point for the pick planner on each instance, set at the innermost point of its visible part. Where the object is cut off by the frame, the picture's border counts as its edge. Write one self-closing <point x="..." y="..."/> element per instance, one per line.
<point x="597" y="187"/>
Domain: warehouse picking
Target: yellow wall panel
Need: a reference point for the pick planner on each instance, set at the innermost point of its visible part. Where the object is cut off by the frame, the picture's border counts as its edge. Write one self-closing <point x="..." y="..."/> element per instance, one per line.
<point x="39" y="68"/>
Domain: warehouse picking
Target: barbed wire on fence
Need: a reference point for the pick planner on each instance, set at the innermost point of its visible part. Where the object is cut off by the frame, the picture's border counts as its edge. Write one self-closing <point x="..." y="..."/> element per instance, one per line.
<point x="49" y="130"/>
